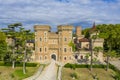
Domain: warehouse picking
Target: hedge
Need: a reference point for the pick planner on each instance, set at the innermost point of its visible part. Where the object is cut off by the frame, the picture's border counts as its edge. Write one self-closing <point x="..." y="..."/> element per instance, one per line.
<point x="18" y="64"/>
<point x="73" y="66"/>
<point x="68" y="65"/>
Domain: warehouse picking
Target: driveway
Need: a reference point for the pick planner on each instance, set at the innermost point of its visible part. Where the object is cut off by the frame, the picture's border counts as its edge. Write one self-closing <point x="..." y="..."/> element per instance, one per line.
<point x="49" y="73"/>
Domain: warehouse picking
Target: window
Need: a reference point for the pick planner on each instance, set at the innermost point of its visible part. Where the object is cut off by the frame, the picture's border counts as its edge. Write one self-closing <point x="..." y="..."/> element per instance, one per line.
<point x="64" y="58"/>
<point x="40" y="39"/>
<point x="45" y="33"/>
<point x="70" y="49"/>
<point x="40" y="49"/>
<point x="45" y="57"/>
<point x="65" y="50"/>
<point x="45" y="40"/>
<point x="45" y="49"/>
<point x="40" y="58"/>
<point x="65" y="39"/>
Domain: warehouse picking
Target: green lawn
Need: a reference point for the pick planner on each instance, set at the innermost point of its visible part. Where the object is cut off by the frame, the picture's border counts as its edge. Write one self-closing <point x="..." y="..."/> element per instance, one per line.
<point x="7" y="73"/>
<point x="85" y="74"/>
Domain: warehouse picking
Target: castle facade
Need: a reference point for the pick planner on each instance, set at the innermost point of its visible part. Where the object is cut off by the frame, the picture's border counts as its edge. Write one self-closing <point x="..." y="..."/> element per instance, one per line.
<point x="53" y="45"/>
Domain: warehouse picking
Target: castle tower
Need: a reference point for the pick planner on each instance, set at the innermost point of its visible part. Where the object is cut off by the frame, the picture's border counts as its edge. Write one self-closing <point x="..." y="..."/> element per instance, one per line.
<point x="65" y="37"/>
<point x="78" y="31"/>
<point x="41" y="42"/>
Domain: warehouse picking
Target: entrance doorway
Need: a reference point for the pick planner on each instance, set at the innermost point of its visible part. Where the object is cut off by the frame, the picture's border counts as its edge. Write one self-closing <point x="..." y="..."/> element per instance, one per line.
<point x="53" y="56"/>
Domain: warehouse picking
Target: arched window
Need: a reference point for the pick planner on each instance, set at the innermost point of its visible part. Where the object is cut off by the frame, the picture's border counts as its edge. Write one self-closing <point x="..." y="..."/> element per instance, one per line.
<point x="65" y="58"/>
<point x="65" y="50"/>
<point x="40" y="49"/>
<point x="40" y="39"/>
<point x="40" y="57"/>
<point x="45" y="57"/>
<point x="65" y="39"/>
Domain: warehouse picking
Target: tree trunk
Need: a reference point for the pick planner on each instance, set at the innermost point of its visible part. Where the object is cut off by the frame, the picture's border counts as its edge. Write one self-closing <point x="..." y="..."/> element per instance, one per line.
<point x="13" y="60"/>
<point x="24" y="62"/>
<point x="91" y="62"/>
<point x="108" y="56"/>
<point x="107" y="63"/>
<point x="24" y="68"/>
<point x="13" y="64"/>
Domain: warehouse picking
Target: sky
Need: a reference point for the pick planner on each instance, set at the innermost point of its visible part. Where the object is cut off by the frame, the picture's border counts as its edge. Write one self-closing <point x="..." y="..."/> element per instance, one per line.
<point x="59" y="12"/>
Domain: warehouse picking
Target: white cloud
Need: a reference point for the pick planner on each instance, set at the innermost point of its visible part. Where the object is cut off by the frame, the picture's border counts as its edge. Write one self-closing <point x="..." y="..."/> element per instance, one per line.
<point x="55" y="12"/>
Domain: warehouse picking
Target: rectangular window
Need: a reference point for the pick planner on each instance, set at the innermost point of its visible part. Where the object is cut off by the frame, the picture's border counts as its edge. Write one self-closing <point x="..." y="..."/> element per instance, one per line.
<point x="45" y="34"/>
<point x="65" y="39"/>
<point x="65" y="50"/>
<point x="45" y="40"/>
<point x="45" y="49"/>
<point x="40" y="49"/>
<point x="40" y="39"/>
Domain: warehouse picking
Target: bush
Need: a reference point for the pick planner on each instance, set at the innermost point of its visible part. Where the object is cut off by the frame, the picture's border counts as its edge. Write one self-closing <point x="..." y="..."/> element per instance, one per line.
<point x="68" y="65"/>
<point x="114" y="68"/>
<point x="74" y="75"/>
<point x="18" y="64"/>
<point x="73" y="66"/>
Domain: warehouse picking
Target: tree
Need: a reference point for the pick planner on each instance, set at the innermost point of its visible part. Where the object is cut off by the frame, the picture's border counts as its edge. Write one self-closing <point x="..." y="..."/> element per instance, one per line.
<point x="92" y="40"/>
<point x="73" y="46"/>
<point x="87" y="56"/>
<point x="24" y="36"/>
<point x="110" y="54"/>
<point x="3" y="45"/>
<point x="11" y="32"/>
<point x="97" y="50"/>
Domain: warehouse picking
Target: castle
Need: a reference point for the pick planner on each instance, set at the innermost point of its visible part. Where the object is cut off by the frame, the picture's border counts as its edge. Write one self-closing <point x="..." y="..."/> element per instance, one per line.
<point x="54" y="45"/>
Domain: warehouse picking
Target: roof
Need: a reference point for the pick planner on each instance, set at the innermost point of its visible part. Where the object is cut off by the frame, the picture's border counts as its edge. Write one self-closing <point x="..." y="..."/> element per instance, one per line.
<point x="30" y="41"/>
<point x="93" y="29"/>
<point x="84" y="40"/>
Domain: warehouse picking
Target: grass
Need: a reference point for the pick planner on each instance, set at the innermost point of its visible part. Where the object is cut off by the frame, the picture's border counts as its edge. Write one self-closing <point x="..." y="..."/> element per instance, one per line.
<point x="85" y="74"/>
<point x="7" y="73"/>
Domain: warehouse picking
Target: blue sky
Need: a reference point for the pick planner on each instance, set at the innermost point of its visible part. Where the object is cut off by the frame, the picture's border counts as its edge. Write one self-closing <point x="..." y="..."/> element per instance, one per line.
<point x="57" y="12"/>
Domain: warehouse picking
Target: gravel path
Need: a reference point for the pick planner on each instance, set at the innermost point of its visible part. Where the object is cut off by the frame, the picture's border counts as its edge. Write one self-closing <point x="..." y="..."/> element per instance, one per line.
<point x="49" y="73"/>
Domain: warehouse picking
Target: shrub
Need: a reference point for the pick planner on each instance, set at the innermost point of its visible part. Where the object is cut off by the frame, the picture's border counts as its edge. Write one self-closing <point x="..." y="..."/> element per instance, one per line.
<point x="18" y="64"/>
<point x="74" y="75"/>
<point x="12" y="75"/>
<point x="117" y="77"/>
<point x="68" y="65"/>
